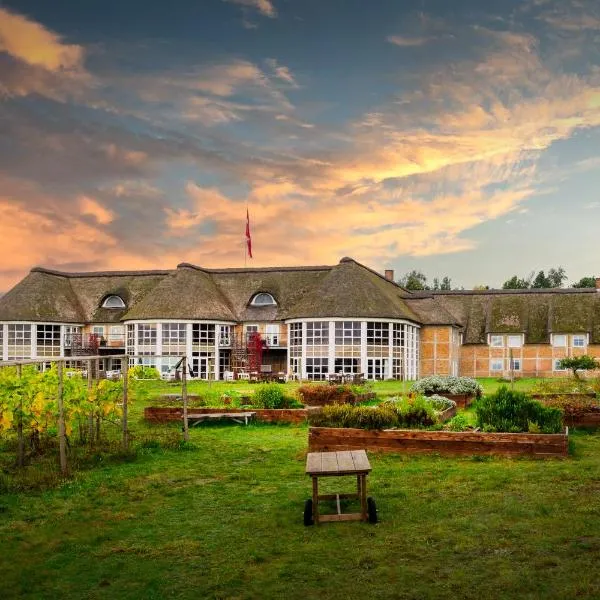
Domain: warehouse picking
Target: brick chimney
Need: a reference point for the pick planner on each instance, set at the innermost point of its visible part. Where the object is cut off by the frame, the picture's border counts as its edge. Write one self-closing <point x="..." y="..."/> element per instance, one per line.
<point x="597" y="283"/>
<point x="389" y="275"/>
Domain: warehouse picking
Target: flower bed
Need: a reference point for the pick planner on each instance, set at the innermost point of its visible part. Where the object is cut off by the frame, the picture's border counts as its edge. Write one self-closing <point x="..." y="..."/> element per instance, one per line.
<point x="321" y="439"/>
<point x="579" y="409"/>
<point x="450" y="387"/>
<point x="323" y="395"/>
<point x="462" y="400"/>
<point x="160" y="414"/>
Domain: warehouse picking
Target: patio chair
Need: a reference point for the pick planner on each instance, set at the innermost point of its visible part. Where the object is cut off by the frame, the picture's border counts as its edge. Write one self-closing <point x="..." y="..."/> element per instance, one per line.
<point x="228" y="375"/>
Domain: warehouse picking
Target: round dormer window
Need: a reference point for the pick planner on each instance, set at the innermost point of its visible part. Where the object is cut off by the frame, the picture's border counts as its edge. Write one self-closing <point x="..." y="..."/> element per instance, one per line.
<point x="113" y="302"/>
<point x="263" y="299"/>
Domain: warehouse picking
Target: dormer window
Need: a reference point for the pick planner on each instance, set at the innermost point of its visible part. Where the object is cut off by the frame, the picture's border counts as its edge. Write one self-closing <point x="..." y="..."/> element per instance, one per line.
<point x="113" y="302"/>
<point x="263" y="299"/>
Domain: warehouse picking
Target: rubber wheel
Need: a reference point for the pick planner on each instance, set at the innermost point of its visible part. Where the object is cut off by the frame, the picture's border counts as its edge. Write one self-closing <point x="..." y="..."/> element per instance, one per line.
<point x="308" y="513"/>
<point x="372" y="510"/>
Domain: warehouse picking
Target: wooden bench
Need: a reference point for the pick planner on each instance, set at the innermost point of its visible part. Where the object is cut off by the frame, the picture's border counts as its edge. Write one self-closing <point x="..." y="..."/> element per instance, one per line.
<point x="238" y="417"/>
<point x="336" y="464"/>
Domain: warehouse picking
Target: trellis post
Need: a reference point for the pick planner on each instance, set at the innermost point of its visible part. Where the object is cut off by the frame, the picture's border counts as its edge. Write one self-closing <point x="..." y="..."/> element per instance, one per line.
<point x="62" y="442"/>
<point x="20" y="436"/>
<point x="125" y="371"/>
<point x="184" y="394"/>
<point x="90" y="385"/>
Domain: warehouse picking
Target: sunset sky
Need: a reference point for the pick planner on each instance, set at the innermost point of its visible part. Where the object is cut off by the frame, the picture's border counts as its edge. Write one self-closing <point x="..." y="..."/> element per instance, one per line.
<point x="443" y="136"/>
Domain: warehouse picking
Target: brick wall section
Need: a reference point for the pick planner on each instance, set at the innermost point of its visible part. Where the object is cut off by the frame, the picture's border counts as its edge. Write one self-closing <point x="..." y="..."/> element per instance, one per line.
<point x="537" y="359"/>
<point x="439" y="350"/>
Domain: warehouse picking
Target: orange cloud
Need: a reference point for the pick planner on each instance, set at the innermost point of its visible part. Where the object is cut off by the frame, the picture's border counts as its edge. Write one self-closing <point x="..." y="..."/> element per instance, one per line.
<point x="91" y="207"/>
<point x="265" y="7"/>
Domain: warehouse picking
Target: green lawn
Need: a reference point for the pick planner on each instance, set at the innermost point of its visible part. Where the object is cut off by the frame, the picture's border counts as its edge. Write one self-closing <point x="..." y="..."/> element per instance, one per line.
<point x="225" y="521"/>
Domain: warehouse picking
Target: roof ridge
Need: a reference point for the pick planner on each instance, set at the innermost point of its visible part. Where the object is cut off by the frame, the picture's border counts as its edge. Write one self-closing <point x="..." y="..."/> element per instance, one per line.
<point x="432" y="293"/>
<point x="347" y="259"/>
<point x="74" y="274"/>
<point x="253" y="269"/>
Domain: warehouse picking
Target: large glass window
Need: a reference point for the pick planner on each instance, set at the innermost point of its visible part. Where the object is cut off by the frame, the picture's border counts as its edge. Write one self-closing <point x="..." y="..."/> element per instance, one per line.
<point x="48" y="340"/>
<point x="130" y="338"/>
<point x="71" y="332"/>
<point x="224" y="335"/>
<point x="203" y="334"/>
<point x="347" y="365"/>
<point x="317" y="368"/>
<point x="19" y="342"/>
<point x="515" y="341"/>
<point x="497" y="341"/>
<point x="296" y="334"/>
<point x="579" y="341"/>
<point x="174" y="339"/>
<point x="347" y="333"/>
<point x="272" y="334"/>
<point x="146" y="333"/>
<point x="378" y="334"/>
<point x="317" y="333"/>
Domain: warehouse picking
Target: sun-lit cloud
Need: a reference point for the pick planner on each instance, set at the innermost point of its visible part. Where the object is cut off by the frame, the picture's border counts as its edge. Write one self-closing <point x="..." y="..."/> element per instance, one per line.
<point x="151" y="167"/>
<point x="264" y="7"/>
<point x="35" y="45"/>
<point x="408" y="41"/>
<point x="93" y="208"/>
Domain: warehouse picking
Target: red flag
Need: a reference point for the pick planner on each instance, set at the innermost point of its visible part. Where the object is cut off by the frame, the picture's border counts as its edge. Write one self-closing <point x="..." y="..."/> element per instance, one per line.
<point x="248" y="237"/>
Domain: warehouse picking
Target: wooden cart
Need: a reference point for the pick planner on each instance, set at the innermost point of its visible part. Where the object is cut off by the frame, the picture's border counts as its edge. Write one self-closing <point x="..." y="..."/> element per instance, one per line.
<point x="338" y="464"/>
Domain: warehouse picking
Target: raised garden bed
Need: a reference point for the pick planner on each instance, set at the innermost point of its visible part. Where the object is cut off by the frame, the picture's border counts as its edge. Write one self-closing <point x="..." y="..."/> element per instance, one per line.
<point x="165" y="414"/>
<point x="447" y="414"/>
<point x="579" y="408"/>
<point x="462" y="400"/>
<point x="442" y="442"/>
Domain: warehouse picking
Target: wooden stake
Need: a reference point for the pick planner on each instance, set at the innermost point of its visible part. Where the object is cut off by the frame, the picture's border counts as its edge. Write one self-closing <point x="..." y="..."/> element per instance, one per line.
<point x="62" y="440"/>
<point x="125" y="370"/>
<point x="21" y="438"/>
<point x="186" y="431"/>
<point x="90" y="382"/>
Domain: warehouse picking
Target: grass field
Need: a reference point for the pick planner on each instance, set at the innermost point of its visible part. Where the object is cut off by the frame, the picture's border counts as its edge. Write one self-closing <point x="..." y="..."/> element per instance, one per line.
<point x="222" y="518"/>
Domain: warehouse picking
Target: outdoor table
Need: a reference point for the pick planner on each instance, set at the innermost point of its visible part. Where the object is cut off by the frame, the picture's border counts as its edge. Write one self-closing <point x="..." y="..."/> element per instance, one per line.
<point x="339" y="464"/>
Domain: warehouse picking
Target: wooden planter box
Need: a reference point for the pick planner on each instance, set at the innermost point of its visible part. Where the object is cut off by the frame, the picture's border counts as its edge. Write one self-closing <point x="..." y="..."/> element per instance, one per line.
<point x="160" y="414"/>
<point x="447" y="414"/>
<point x="585" y="417"/>
<point x="462" y="400"/>
<point x="442" y="442"/>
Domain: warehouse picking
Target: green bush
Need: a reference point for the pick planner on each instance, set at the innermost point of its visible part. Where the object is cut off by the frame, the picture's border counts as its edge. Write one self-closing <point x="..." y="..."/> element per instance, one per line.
<point x="270" y="395"/>
<point x="458" y="423"/>
<point x="141" y="372"/>
<point x="514" y="412"/>
<point x="361" y="417"/>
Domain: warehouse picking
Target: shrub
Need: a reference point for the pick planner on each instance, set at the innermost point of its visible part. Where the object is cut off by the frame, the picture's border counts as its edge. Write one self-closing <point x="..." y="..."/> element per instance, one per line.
<point x="436" y="384"/>
<point x="362" y="417"/>
<point x="322" y="395"/>
<point x="458" y="423"/>
<point x="513" y="412"/>
<point x="440" y="403"/>
<point x="141" y="372"/>
<point x="270" y="395"/>
<point x="573" y="405"/>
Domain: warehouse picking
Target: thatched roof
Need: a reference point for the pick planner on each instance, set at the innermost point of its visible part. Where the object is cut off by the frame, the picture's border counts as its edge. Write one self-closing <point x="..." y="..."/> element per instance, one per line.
<point x="353" y="290"/>
<point x="536" y="313"/>
<point x="345" y="290"/>
<point x="42" y="296"/>
<point x="186" y="293"/>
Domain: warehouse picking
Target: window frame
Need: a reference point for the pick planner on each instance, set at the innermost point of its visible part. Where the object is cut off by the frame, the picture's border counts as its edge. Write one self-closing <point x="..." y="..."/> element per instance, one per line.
<point x="497" y="337"/>
<point x="579" y="336"/>
<point x="555" y="362"/>
<point x="114" y="296"/>
<point x="254" y="302"/>
<point x="564" y="336"/>
<point x="514" y="336"/>
<point x="496" y="361"/>
<point x="273" y="335"/>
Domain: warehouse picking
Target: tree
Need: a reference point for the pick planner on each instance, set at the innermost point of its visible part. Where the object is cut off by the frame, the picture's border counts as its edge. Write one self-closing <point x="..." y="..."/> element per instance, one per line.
<point x="556" y="277"/>
<point x="446" y="283"/>
<point x="414" y="281"/>
<point x="579" y="363"/>
<point x="585" y="282"/>
<point x="516" y="283"/>
<point x="541" y="281"/>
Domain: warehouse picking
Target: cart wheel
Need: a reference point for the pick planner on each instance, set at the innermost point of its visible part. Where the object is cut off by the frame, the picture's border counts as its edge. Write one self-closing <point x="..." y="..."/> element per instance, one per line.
<point x="308" y="513"/>
<point x="372" y="510"/>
